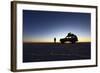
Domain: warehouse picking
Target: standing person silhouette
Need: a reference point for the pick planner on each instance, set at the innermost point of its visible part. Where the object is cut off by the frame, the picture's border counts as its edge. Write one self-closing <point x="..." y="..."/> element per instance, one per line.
<point x="54" y="40"/>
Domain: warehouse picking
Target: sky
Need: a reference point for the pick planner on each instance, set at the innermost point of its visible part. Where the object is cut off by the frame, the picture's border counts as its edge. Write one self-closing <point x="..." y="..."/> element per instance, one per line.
<point x="43" y="26"/>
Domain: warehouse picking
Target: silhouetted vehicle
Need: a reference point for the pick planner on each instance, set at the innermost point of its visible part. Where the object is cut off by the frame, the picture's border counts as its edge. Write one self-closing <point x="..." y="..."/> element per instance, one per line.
<point x="70" y="37"/>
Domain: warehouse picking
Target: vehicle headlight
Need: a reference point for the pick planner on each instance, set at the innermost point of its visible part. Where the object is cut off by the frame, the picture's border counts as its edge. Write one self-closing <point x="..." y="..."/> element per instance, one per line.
<point x="67" y="37"/>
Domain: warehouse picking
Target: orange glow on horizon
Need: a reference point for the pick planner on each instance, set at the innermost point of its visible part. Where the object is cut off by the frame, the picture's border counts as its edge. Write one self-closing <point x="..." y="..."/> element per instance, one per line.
<point x="81" y="39"/>
<point x="84" y="39"/>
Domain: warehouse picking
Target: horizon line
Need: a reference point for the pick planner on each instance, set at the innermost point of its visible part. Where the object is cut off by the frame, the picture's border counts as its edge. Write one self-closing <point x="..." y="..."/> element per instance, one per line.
<point x="57" y="42"/>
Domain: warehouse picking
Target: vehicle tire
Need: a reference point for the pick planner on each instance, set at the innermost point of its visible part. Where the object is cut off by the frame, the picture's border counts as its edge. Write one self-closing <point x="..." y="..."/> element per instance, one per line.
<point x="62" y="42"/>
<point x="73" y="42"/>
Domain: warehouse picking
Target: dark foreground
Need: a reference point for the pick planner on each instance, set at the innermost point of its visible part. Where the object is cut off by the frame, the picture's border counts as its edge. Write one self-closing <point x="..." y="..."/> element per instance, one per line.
<point x="36" y="52"/>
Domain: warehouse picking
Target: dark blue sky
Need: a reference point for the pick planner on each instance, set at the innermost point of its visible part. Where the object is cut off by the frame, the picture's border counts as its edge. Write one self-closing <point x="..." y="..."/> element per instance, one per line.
<point x="43" y="26"/>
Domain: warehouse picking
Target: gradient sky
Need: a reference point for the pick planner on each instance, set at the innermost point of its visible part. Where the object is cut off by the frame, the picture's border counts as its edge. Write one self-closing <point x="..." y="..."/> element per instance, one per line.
<point x="43" y="26"/>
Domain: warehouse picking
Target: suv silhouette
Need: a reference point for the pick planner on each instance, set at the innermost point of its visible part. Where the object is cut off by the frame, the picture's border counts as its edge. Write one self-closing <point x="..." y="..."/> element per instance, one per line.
<point x="70" y="37"/>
